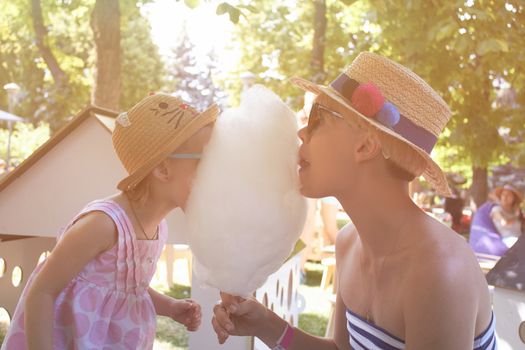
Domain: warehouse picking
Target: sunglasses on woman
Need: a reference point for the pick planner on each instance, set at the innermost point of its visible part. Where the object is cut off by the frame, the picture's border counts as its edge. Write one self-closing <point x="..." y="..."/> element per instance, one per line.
<point x="314" y="118"/>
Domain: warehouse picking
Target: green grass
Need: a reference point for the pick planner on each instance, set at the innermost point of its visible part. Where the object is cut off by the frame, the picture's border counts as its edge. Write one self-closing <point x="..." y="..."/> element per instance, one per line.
<point x="179" y="291"/>
<point x="313" y="323"/>
<point x="171" y="332"/>
<point x="314" y="274"/>
<point x="314" y="319"/>
<point x="3" y="331"/>
<point x="341" y="223"/>
<point x="168" y="330"/>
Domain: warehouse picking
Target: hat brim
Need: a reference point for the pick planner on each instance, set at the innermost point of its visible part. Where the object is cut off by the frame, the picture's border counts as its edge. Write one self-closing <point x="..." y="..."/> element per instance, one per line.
<point x="432" y="173"/>
<point x="518" y="195"/>
<point x="200" y="121"/>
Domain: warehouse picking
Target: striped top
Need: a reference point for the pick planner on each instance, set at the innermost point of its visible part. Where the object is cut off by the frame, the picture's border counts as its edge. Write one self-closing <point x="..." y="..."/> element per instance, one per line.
<point x="366" y="336"/>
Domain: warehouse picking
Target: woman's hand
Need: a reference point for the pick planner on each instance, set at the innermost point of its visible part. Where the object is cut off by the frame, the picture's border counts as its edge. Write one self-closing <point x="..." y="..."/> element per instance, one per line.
<point x="247" y="317"/>
<point x="237" y="316"/>
<point x="188" y="313"/>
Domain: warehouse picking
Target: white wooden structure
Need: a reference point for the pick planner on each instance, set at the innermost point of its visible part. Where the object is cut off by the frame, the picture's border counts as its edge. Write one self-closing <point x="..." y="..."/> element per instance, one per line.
<point x="279" y="293"/>
<point x="507" y="280"/>
<point x="509" y="309"/>
<point x="74" y="167"/>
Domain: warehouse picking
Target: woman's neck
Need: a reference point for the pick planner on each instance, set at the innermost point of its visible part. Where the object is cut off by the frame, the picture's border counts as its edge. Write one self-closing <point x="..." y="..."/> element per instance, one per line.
<point x="509" y="209"/>
<point x="381" y="215"/>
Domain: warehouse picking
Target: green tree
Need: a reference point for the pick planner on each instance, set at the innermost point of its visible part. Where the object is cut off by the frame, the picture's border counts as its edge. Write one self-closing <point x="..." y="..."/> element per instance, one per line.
<point x="105" y="23"/>
<point x="63" y="29"/>
<point x="19" y="58"/>
<point x="464" y="49"/>
<point x="191" y="78"/>
<point x="143" y="69"/>
<point x="278" y="40"/>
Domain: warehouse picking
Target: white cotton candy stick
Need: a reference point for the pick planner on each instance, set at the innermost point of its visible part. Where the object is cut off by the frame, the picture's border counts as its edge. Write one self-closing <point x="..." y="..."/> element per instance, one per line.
<point x="245" y="212"/>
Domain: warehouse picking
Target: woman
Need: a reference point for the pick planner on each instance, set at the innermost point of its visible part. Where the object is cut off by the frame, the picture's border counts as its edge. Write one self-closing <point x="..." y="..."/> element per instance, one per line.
<point x="498" y="223"/>
<point x="507" y="215"/>
<point x="405" y="280"/>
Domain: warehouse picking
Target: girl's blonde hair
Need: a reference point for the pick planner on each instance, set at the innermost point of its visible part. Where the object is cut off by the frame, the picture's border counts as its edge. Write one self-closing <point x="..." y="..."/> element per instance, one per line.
<point x="140" y="191"/>
<point x="403" y="162"/>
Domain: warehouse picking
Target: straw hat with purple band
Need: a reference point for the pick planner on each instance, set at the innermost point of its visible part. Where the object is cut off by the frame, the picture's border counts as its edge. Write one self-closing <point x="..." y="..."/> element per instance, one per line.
<point x="151" y="130"/>
<point x="394" y="100"/>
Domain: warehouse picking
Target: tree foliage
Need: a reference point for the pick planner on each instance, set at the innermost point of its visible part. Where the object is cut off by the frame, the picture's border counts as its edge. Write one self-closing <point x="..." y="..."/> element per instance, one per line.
<point x="71" y="41"/>
<point x="463" y="49"/>
<point x="190" y="78"/>
<point x="469" y="51"/>
<point x="276" y="43"/>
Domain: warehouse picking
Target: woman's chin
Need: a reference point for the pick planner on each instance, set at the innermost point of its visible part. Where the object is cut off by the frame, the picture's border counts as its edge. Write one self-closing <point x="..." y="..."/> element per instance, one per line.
<point x="306" y="188"/>
<point x="307" y="192"/>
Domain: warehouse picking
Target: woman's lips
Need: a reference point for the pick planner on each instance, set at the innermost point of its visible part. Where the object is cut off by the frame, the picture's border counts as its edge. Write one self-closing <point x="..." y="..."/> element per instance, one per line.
<point x="303" y="163"/>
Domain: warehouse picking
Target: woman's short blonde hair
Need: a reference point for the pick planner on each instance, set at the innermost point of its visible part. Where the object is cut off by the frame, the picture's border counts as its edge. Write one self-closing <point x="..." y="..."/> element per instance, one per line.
<point x="403" y="162"/>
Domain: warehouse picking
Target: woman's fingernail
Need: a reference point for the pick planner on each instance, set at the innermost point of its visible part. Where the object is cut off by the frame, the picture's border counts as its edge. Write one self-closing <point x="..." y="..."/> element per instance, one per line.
<point x="233" y="308"/>
<point x="229" y="327"/>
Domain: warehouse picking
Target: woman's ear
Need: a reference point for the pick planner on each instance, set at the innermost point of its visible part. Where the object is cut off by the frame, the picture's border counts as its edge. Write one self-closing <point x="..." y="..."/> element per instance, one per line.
<point x="161" y="172"/>
<point x="367" y="147"/>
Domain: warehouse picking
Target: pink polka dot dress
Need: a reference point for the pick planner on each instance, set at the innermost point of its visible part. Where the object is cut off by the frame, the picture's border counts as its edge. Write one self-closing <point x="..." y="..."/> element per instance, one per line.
<point x="107" y="305"/>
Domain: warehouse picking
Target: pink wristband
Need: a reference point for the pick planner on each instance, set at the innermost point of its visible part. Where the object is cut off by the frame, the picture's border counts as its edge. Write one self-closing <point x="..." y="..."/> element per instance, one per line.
<point x="286" y="339"/>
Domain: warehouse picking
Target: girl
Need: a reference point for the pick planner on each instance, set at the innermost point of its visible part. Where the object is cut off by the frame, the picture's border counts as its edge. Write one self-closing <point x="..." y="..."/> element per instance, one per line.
<point x="93" y="291"/>
<point x="405" y="280"/>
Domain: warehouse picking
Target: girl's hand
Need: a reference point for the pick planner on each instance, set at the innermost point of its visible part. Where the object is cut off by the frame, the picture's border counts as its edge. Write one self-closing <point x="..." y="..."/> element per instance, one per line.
<point x="237" y="316"/>
<point x="187" y="312"/>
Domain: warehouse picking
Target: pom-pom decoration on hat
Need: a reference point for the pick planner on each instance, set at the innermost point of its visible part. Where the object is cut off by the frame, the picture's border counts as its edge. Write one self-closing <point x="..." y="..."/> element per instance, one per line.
<point x="388" y="115"/>
<point x="367" y="99"/>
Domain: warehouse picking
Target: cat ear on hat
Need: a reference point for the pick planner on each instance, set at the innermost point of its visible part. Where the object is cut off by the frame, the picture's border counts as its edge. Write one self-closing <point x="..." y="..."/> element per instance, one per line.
<point x="123" y="119"/>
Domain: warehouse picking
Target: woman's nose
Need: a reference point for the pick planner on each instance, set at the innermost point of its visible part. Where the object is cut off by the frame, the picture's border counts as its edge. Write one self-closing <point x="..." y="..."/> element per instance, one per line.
<point x="302" y="133"/>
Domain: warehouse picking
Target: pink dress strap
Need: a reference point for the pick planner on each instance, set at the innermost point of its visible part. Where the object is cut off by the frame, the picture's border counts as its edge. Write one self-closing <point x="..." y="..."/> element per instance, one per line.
<point x="98" y="205"/>
<point x="128" y="270"/>
<point x="131" y="275"/>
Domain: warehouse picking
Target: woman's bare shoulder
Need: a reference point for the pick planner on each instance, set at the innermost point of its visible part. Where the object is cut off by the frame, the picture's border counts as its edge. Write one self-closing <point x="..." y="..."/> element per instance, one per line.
<point x="444" y="284"/>
<point x="345" y="239"/>
<point x="444" y="257"/>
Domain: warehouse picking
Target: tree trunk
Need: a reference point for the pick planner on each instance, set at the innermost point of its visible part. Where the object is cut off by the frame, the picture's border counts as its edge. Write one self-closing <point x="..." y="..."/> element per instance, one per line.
<point x="479" y="188"/>
<point x="61" y="89"/>
<point x="105" y="23"/>
<point x="317" y="62"/>
<point x="59" y="76"/>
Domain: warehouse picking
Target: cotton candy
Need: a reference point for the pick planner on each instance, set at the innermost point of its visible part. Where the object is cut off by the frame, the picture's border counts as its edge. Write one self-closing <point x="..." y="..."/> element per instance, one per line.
<point x="245" y="212"/>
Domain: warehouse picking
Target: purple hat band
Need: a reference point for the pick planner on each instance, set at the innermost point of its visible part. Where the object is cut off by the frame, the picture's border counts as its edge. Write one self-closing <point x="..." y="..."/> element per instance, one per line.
<point x="417" y="135"/>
